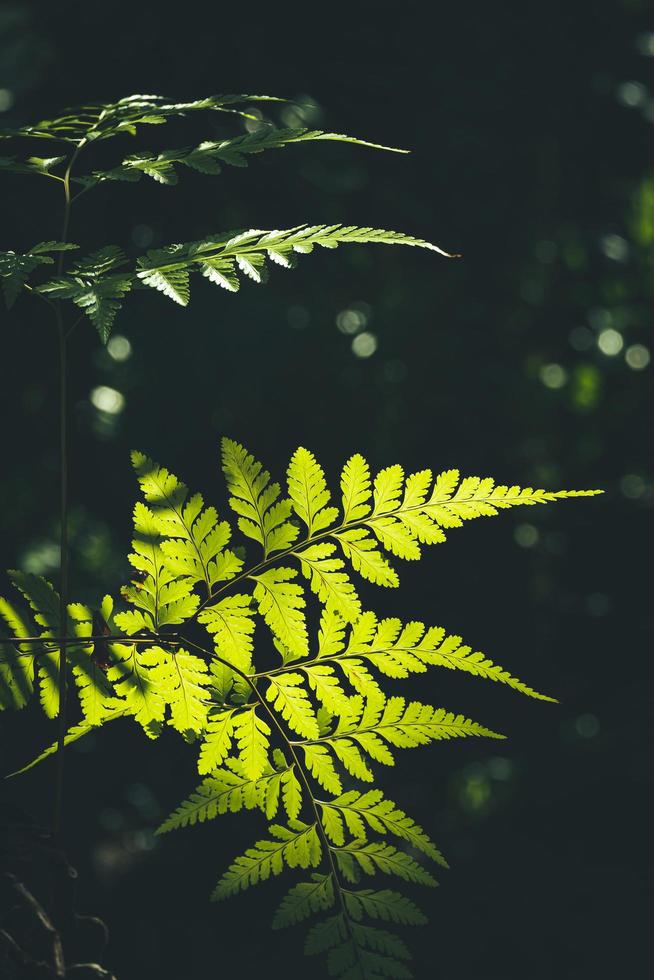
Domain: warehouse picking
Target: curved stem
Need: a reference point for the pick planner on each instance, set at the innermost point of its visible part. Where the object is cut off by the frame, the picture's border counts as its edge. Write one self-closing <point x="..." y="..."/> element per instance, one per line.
<point x="304" y="779"/>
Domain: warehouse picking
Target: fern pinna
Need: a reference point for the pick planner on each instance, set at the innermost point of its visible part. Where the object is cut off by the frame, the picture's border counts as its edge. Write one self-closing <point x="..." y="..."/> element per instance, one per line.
<point x="296" y="733"/>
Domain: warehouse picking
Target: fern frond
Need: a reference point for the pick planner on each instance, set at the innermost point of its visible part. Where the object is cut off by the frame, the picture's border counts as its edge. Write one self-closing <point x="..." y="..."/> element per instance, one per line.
<point x="291" y="793"/>
<point x="290" y="699"/>
<point x="113" y="709"/>
<point x="16" y="268"/>
<point x="89" y="123"/>
<point x="209" y="155"/>
<point x="195" y="540"/>
<point x="162" y="596"/>
<point x="372" y="725"/>
<point x="227" y="790"/>
<point x="357" y="952"/>
<point x="136" y="681"/>
<point x="389" y="906"/>
<point x="16" y="661"/>
<point x="44" y="602"/>
<point x="262" y="516"/>
<point x="325" y="685"/>
<point x="398" y="650"/>
<point x="231" y="621"/>
<point x="305" y="899"/>
<point x="281" y="604"/>
<point x="328" y="580"/>
<point x="321" y="766"/>
<point x="93" y="688"/>
<point x="187" y="694"/>
<point x="296" y="845"/>
<point x="377" y="856"/>
<point x="41" y="166"/>
<point x="92" y="286"/>
<point x="382" y="816"/>
<point x="217" y="741"/>
<point x="253" y="740"/>
<point x="308" y="491"/>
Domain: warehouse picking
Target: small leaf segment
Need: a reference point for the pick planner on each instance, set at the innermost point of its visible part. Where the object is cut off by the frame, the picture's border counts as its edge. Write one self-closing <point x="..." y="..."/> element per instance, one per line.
<point x="294" y="724"/>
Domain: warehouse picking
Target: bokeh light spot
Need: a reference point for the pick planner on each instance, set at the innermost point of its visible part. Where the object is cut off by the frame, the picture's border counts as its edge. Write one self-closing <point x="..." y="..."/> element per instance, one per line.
<point x="610" y="342"/>
<point x="637" y="357"/>
<point x="364" y="345"/>
<point x="107" y="400"/>
<point x="553" y="375"/>
<point x="119" y="348"/>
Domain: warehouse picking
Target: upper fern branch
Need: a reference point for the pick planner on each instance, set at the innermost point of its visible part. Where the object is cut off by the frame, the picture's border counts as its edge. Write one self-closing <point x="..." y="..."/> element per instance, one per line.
<point x="101" y="121"/>
<point x="93" y="285"/>
<point x="209" y="156"/>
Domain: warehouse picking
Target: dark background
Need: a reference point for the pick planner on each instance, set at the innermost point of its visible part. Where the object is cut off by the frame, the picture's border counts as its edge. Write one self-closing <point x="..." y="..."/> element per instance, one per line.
<point x="531" y="131"/>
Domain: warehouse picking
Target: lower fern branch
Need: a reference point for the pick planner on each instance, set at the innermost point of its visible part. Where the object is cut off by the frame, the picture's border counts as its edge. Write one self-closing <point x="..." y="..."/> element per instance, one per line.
<point x="328" y="850"/>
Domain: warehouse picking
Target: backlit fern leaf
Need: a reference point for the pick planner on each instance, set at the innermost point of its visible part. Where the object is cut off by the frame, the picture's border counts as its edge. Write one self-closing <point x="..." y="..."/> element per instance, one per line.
<point x="89" y="123"/>
<point x="281" y="603"/>
<point x="387" y="905"/>
<point x="373" y="856"/>
<point x="135" y="680"/>
<point x="291" y="701"/>
<point x="262" y="515"/>
<point x="209" y="155"/>
<point x="371" y="808"/>
<point x="161" y="597"/>
<point x="231" y="621"/>
<point x="227" y="790"/>
<point x="398" y="650"/>
<point x="294" y="846"/>
<point x="16" y="268"/>
<point x="195" y="540"/>
<point x="305" y="899"/>
<point x="253" y="741"/>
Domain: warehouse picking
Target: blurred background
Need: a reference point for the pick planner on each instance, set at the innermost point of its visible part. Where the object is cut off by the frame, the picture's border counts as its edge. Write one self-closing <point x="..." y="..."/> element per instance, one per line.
<point x="531" y="128"/>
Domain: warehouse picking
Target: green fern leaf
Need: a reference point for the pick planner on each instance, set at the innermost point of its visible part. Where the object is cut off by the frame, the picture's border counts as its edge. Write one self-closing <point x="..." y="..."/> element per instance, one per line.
<point x="207" y="157"/>
<point x="93" y="687"/>
<point x="308" y="491"/>
<point x="113" y="709"/>
<point x="366" y="558"/>
<point x="87" y="124"/>
<point x="262" y="516"/>
<point x="195" y="549"/>
<point x="297" y="845"/>
<point x="187" y="694"/>
<point x="136" y="676"/>
<point x="291" y="793"/>
<point x="281" y="604"/>
<point x="16" y="661"/>
<point x="329" y="581"/>
<point x="217" y="741"/>
<point x="382" y="816"/>
<point x="319" y="763"/>
<point x="232" y="623"/>
<point x="324" y="683"/>
<point x="305" y="899"/>
<point x="377" y="856"/>
<point x="162" y="597"/>
<point x="389" y="906"/>
<point x="172" y="282"/>
<point x="291" y="700"/>
<point x="44" y="602"/>
<point x="225" y="791"/>
<point x="253" y="739"/>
